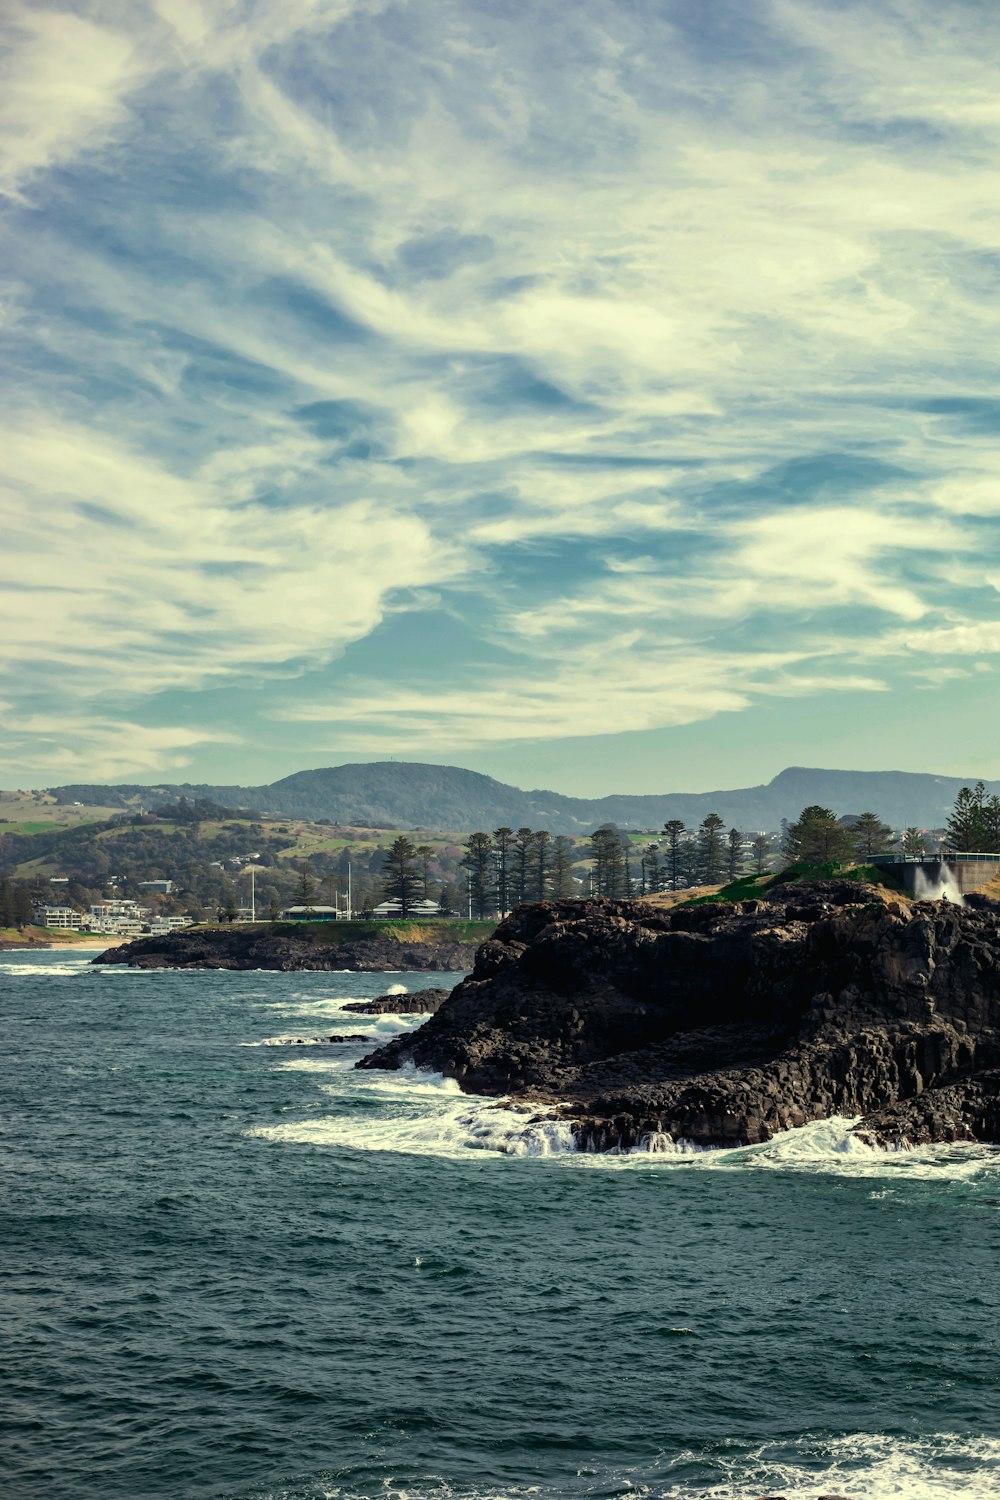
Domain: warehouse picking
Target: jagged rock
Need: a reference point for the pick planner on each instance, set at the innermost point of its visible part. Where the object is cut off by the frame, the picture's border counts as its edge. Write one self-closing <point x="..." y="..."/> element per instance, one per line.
<point x="248" y="948"/>
<point x="724" y="1024"/>
<point x="315" y="1041"/>
<point x="422" y="1002"/>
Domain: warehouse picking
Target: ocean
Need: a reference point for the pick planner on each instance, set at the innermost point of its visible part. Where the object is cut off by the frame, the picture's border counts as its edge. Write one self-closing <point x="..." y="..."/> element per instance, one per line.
<point x="235" y="1269"/>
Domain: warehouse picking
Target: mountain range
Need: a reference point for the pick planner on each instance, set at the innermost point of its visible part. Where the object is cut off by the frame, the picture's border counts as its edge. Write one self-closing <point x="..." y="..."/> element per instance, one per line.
<point x="406" y="794"/>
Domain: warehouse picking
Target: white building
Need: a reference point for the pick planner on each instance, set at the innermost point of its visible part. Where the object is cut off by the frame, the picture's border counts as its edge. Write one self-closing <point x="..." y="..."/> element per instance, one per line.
<point x="158" y="926"/>
<point x="425" y="909"/>
<point x="65" y="917"/>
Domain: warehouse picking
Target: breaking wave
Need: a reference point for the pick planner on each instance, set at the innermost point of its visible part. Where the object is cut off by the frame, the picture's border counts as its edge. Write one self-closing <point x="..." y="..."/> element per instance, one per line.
<point x="857" y="1466"/>
<point x="46" y="971"/>
<point x="426" y="1114"/>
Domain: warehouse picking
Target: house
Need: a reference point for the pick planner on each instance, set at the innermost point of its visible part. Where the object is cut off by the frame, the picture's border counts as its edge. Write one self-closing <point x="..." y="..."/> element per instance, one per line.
<point x="65" y="917"/>
<point x="163" y="886"/>
<point x="425" y="909"/>
<point x="309" y="914"/>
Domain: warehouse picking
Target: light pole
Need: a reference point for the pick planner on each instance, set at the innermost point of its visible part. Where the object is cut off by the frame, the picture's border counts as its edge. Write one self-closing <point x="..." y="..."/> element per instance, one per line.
<point x="251" y="870"/>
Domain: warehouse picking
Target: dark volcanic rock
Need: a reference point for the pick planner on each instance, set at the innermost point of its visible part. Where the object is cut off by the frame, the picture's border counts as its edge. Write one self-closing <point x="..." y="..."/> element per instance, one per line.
<point x="728" y="1023"/>
<point x="248" y="948"/>
<point x="422" y="1002"/>
<point x="315" y="1041"/>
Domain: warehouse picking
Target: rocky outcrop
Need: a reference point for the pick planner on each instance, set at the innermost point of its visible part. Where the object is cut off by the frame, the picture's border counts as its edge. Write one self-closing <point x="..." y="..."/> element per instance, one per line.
<point x="249" y="948"/>
<point x="316" y="1041"/>
<point x="724" y="1023"/>
<point x="421" y="1003"/>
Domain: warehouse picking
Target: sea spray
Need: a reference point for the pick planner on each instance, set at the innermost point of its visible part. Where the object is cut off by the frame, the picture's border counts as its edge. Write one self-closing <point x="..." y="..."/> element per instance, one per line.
<point x="944" y="886"/>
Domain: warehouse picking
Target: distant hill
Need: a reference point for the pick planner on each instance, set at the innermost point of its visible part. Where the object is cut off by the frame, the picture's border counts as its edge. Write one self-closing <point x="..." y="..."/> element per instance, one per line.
<point x="404" y="794"/>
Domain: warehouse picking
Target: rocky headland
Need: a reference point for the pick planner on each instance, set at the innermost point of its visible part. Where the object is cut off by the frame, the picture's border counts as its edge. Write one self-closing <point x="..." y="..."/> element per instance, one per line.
<point x="239" y="947"/>
<point x="727" y="1023"/>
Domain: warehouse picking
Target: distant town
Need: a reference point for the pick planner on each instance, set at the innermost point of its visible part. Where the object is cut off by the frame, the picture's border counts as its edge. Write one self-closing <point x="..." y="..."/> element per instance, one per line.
<point x="70" y="867"/>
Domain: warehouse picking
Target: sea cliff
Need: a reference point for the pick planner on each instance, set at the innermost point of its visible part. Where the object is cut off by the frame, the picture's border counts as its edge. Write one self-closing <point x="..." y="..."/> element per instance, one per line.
<point x="727" y="1023"/>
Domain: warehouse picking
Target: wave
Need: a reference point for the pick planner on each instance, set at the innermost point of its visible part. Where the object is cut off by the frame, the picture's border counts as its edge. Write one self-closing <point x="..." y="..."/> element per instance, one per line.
<point x="872" y="1466"/>
<point x="308" y="1041"/>
<point x="862" y="1466"/>
<point x="46" y="971"/>
<point x="431" y="1117"/>
<point x="428" y="1115"/>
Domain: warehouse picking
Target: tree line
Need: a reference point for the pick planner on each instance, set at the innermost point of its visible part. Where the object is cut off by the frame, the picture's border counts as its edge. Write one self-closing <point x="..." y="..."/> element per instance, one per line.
<point x="974" y="825"/>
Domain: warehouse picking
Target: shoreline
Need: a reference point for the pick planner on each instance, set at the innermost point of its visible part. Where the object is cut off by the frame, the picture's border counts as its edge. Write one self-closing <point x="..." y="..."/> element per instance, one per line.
<point x="85" y="944"/>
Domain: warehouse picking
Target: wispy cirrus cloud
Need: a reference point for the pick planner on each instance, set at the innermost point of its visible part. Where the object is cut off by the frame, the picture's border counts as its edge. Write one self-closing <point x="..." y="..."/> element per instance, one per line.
<point x="657" y="358"/>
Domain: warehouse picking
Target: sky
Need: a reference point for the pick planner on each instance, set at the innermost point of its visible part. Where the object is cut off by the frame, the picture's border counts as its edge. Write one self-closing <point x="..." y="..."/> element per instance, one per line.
<point x="603" y="396"/>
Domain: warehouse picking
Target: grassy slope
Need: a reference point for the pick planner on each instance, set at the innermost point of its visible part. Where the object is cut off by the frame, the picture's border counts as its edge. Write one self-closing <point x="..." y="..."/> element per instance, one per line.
<point x="45" y="936"/>
<point x="749" y="886"/>
<point x="448" y="930"/>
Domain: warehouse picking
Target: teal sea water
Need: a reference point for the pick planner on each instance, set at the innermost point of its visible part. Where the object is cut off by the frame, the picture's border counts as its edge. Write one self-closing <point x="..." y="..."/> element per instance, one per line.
<point x="233" y="1268"/>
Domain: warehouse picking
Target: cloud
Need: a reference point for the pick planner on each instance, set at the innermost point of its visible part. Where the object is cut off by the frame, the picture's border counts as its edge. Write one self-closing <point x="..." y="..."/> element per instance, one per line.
<point x="63" y="89"/>
<point x="620" y="683"/>
<point x="661" y="350"/>
<point x="75" y="747"/>
<point x="980" y="639"/>
<point x="149" y="579"/>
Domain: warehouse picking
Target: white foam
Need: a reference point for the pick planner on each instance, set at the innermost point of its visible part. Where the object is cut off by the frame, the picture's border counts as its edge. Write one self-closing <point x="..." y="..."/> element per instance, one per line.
<point x="431" y="1117"/>
<point x="397" y="989"/>
<point x="45" y="971"/>
<point x="304" y="1041"/>
<point x="314" y="1065"/>
<point x="863" y="1465"/>
<point x="826" y="1147"/>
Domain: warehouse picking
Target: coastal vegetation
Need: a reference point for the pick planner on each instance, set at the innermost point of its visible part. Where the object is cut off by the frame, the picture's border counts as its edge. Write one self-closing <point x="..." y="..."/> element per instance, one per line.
<point x="201" y="850"/>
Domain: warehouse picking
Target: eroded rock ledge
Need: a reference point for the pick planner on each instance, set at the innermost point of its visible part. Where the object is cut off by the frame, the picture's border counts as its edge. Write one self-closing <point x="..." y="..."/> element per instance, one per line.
<point x="729" y="1023"/>
<point x="419" y="1003"/>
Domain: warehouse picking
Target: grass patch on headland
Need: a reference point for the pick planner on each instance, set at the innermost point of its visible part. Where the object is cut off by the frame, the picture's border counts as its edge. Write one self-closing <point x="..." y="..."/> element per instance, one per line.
<point x="748" y="886"/>
<point x="444" y="931"/>
<point x="45" y="937"/>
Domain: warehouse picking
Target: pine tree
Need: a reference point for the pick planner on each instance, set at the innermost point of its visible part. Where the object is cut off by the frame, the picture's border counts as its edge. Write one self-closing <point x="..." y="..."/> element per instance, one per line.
<point x="503" y="842"/>
<point x="710" y="849"/>
<point x="914" y="844"/>
<point x="562" y="866"/>
<point x="734" y="866"/>
<point x="520" y="876"/>
<point x="609" y="876"/>
<point x="305" y="890"/>
<point x="966" y="831"/>
<point x="542" y="841"/>
<point x="761" y="853"/>
<point x="424" y="856"/>
<point x="652" y="873"/>
<point x="674" y="831"/>
<point x="991" y="825"/>
<point x="871" y="835"/>
<point x="628" y="884"/>
<point x="481" y="867"/>
<point x="400" y="879"/>
<point x="599" y="859"/>
<point x="817" y="838"/>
